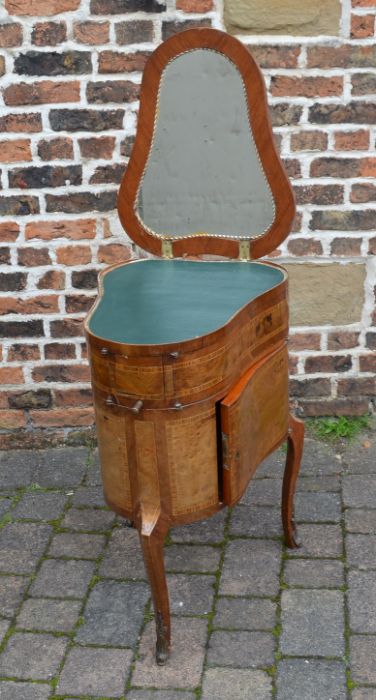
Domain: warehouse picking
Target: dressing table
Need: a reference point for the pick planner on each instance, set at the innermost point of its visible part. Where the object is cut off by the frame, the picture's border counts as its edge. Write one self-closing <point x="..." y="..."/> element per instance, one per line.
<point x="188" y="347"/>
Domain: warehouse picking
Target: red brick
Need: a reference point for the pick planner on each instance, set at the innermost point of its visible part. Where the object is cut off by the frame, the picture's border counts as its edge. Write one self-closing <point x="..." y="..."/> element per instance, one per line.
<point x="367" y="363"/>
<point x="371" y="340"/>
<point x="343" y="167"/>
<point x="2" y="65"/>
<point x="312" y="86"/>
<point x="10" y="34"/>
<point x="33" y="257"/>
<point x="340" y="340"/>
<point x="293" y="365"/>
<point x="171" y="27"/>
<point x="352" y="140"/>
<point x="75" y="230"/>
<point x="73" y="397"/>
<point x="9" y="231"/>
<point x="194" y="5"/>
<point x="275" y="56"/>
<point x="49" y="33"/>
<point x="40" y="7"/>
<point x="15" y="151"/>
<point x="363" y="83"/>
<point x="292" y="167"/>
<point x="341" y="56"/>
<point x="304" y="341"/>
<point x="43" y="92"/>
<point x="364" y="3"/>
<point x="92" y="33"/>
<point x="30" y="123"/>
<point x="52" y="279"/>
<point x="78" y="303"/>
<point x="134" y="32"/>
<point x="23" y="353"/>
<point x="362" y="26"/>
<point x="357" y="386"/>
<point x="114" y="252"/>
<point x="364" y="192"/>
<point x="309" y="141"/>
<point x="62" y="417"/>
<point x="11" y="420"/>
<point x="319" y="194"/>
<point x="56" y="149"/>
<point x="100" y="147"/>
<point x="115" y="62"/>
<point x="345" y="246"/>
<point x="11" y="375"/>
<point x="36" y="305"/>
<point x="73" y="255"/>
<point x="61" y="373"/>
<point x="353" y="406"/>
<point x="309" y="388"/>
<point x="59" y="351"/>
<point x="69" y="328"/>
<point x="304" y="246"/>
<point x="328" y="364"/>
<point x="372" y="246"/>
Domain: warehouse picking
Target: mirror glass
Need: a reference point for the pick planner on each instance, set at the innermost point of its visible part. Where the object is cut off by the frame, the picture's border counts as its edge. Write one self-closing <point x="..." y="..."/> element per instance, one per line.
<point x="203" y="173"/>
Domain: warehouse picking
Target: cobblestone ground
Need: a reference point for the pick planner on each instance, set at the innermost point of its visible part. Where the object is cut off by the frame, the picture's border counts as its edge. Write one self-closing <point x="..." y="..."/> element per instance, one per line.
<point x="252" y="620"/>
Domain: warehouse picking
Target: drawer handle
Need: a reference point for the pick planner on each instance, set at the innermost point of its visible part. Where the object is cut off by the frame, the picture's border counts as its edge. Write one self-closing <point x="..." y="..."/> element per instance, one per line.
<point x="110" y="401"/>
<point x="174" y="354"/>
<point x="104" y="351"/>
<point x="137" y="407"/>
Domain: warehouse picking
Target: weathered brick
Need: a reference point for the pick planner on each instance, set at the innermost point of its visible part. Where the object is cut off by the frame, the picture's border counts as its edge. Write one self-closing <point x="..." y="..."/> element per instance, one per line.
<point x="22" y="353"/>
<point x="36" y="305"/>
<point x="62" y="417"/>
<point x="275" y="55"/>
<point x="108" y="174"/>
<point x="126" y="146"/>
<point x="53" y="63"/>
<point x="9" y="231"/>
<point x="85" y="279"/>
<point x="363" y="83"/>
<point x="33" y="257"/>
<point x="86" y="119"/>
<point x="309" y="141"/>
<point x="363" y="3"/>
<point x="41" y="398"/>
<point x="175" y="26"/>
<point x="49" y="33"/>
<point x="352" y="140"/>
<point x="304" y="246"/>
<point x="343" y="220"/>
<point x="357" y="386"/>
<point x="134" y="31"/>
<point x="116" y="62"/>
<point x="310" y="387"/>
<point x="48" y="230"/>
<point x="4" y="256"/>
<point x="40" y="7"/>
<point x="73" y="397"/>
<point x="292" y="167"/>
<point x="112" y="91"/>
<point x="114" y="252"/>
<point x="22" y="205"/>
<point x="285" y="114"/>
<point x="15" y="151"/>
<point x="60" y="148"/>
<point x="304" y="341"/>
<point x="61" y="373"/>
<point x="115" y="7"/>
<point x="100" y="147"/>
<point x="52" y="279"/>
<point x="78" y="303"/>
<point x="362" y="26"/>
<point x="319" y="194"/>
<point x="341" y="56"/>
<point x="339" y="340"/>
<point x="194" y="5"/>
<point x="81" y="202"/>
<point x="43" y="92"/>
<point x="45" y="176"/>
<point x="363" y="192"/>
<point x="11" y="375"/>
<point x="345" y="246"/>
<point x="312" y="86"/>
<point x="371" y="340"/>
<point x="60" y="351"/>
<point x="2" y="65"/>
<point x="73" y="255"/>
<point x="10" y="34"/>
<point x="31" y="123"/>
<point x="12" y="281"/>
<point x="69" y="328"/>
<point x="11" y="420"/>
<point x="343" y="167"/>
<point x="92" y="33"/>
<point x="351" y="113"/>
<point x="367" y="363"/>
<point x="328" y="363"/>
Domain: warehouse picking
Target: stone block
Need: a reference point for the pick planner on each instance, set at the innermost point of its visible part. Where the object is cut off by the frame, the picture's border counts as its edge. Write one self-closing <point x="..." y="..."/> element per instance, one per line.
<point x="241" y="649"/>
<point x="12" y="589"/>
<point x="49" y="615"/>
<point x="180" y="558"/>
<point x="245" y="613"/>
<point x="34" y="656"/>
<point x="190" y="595"/>
<point x="363" y="659"/>
<point x="362" y="601"/>
<point x="95" y="672"/>
<point x="312" y="623"/>
<point x="309" y="678"/>
<point x="318" y="541"/>
<point x="290" y="17"/>
<point x="21" y="545"/>
<point x="9" y="690"/>
<point x="256" y="521"/>
<point x="237" y="684"/>
<point x="251" y="567"/>
<point x="314" y="574"/>
<point x="62" y="579"/>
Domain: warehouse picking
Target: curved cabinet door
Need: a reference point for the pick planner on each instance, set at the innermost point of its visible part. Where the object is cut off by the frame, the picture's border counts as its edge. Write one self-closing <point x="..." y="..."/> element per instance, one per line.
<point x="254" y="421"/>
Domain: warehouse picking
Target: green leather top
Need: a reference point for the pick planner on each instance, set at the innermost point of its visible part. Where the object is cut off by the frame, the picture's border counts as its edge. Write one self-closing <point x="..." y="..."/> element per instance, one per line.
<point x="167" y="301"/>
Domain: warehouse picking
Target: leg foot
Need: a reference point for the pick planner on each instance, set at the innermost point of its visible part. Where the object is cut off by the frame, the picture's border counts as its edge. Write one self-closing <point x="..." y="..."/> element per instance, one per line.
<point x="294" y="455"/>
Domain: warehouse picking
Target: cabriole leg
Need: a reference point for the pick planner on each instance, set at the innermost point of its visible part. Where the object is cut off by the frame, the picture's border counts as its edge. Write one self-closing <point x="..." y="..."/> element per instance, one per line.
<point x="295" y="440"/>
<point x="152" y="548"/>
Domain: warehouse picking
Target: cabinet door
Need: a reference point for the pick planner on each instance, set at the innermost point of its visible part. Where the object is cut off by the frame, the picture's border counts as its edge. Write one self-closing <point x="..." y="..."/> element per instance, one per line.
<point x="254" y="420"/>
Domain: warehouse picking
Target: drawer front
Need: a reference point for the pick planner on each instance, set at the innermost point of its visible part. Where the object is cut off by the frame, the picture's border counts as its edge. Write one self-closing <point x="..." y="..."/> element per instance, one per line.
<point x="254" y="420"/>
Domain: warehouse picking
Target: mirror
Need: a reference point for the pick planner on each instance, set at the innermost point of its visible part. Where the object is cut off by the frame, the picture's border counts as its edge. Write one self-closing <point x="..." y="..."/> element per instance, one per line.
<point x="204" y="174"/>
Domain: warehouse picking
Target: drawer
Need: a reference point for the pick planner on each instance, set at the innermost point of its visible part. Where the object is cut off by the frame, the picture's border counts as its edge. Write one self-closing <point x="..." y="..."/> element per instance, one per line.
<point x="254" y="420"/>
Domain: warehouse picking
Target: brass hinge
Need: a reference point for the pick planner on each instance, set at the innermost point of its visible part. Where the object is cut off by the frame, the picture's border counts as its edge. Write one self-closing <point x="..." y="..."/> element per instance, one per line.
<point x="244" y="250"/>
<point x="167" y="251"/>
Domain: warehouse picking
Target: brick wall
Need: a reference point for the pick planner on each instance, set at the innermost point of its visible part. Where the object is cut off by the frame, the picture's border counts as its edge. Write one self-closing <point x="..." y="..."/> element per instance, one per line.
<point x="71" y="71"/>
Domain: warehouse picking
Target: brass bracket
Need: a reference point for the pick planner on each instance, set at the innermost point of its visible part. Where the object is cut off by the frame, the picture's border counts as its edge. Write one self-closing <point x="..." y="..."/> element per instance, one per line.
<point x="167" y="251"/>
<point x="244" y="250"/>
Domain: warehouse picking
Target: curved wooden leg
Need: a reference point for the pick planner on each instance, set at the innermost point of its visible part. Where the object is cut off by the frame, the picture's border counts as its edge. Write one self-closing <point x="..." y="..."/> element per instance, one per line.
<point x="152" y="548"/>
<point x="295" y="440"/>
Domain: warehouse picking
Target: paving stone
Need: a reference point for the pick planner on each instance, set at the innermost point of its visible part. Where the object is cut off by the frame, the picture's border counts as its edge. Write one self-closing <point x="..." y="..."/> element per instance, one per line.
<point x="114" y="614"/>
<point x="360" y="520"/>
<point x="87" y="519"/>
<point x="34" y="656"/>
<point x="312" y="573"/>
<point x="331" y="484"/>
<point x="359" y="491"/>
<point x="89" y="496"/>
<point x="251" y="567"/>
<point x="358" y="459"/>
<point x="318" y="541"/>
<point x="190" y="595"/>
<point x="49" y="615"/>
<point x="361" y="551"/>
<point x="24" y="691"/>
<point x="4" y="626"/>
<point x="254" y="521"/>
<point x="245" y="613"/>
<point x="263" y="492"/>
<point x="5" y="504"/>
<point x="312" y="623"/>
<point x="123" y="557"/>
<point x="93" y="476"/>
<point x="95" y="672"/>
<point x="17" y="468"/>
<point x="39" y="506"/>
<point x="62" y="579"/>
<point x="81" y="546"/>
<point x="362" y="601"/>
<point x="204" y="531"/>
<point x="317" y="507"/>
<point x="237" y="684"/>
<point x="363" y="659"/>
<point x="159" y="695"/>
<point x="191" y="558"/>
<point x="302" y="679"/>
<point x="21" y="546"/>
<point x="363" y="694"/>
<point x="272" y="466"/>
<point x="185" y="665"/>
<point x="319" y="459"/>
<point x="61" y="467"/>
<point x="12" y="589"/>
<point x="241" y="649"/>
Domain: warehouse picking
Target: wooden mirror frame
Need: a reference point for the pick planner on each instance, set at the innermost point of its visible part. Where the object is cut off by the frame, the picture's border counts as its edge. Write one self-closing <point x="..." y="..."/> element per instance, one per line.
<point x="261" y="130"/>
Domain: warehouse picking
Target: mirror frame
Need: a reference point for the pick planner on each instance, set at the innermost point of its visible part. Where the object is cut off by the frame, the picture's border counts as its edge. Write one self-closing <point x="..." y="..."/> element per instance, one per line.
<point x="261" y="131"/>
